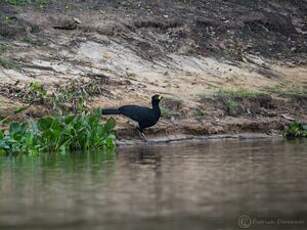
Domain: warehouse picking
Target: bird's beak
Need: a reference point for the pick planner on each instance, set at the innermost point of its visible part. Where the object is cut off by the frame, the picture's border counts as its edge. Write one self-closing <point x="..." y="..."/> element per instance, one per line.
<point x="160" y="97"/>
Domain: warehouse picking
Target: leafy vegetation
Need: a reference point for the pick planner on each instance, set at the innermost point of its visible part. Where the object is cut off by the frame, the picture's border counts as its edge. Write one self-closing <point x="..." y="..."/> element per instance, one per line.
<point x="76" y="93"/>
<point x="58" y="134"/>
<point x="296" y="129"/>
<point x="61" y="133"/>
<point x="37" y="90"/>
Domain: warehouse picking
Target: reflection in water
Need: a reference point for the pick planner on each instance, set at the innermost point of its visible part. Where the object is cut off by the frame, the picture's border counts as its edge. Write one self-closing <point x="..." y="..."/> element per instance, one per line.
<point x="178" y="186"/>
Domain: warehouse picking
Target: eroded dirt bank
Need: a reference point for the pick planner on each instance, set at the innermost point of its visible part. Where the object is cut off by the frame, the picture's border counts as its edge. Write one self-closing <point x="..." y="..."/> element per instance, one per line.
<point x="223" y="66"/>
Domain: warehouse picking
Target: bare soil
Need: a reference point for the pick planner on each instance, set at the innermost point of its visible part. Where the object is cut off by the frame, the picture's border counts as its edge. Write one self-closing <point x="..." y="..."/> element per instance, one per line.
<point x="123" y="52"/>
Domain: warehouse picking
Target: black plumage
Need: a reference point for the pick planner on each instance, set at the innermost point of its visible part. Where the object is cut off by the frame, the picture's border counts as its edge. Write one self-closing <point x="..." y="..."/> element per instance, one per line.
<point x="146" y="117"/>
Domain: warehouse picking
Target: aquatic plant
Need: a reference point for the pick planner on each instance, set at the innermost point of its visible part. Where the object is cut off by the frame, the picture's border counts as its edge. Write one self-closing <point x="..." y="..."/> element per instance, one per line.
<point x="296" y="129"/>
<point x="58" y="134"/>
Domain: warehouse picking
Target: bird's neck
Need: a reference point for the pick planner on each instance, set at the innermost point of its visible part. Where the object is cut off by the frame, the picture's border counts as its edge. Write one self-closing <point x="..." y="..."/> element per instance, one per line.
<point x="156" y="108"/>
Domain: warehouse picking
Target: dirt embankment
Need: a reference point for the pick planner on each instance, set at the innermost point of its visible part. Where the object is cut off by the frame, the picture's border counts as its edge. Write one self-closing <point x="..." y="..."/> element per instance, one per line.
<point x="223" y="66"/>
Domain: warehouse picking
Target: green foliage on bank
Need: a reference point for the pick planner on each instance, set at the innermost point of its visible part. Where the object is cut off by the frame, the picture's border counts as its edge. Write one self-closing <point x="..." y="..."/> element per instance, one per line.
<point x="58" y="134"/>
<point x="296" y="130"/>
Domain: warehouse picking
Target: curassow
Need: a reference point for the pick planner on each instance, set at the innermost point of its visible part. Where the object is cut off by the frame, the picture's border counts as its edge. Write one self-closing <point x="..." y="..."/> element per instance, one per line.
<point x="146" y="117"/>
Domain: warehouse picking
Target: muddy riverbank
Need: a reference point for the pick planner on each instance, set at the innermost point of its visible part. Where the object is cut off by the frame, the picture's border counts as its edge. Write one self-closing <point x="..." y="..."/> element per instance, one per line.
<point x="224" y="67"/>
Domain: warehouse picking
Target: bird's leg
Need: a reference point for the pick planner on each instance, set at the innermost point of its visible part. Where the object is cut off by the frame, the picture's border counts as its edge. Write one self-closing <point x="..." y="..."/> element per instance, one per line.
<point x="141" y="134"/>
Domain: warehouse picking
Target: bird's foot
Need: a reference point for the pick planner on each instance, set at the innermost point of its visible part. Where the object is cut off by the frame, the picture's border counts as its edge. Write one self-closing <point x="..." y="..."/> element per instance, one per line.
<point x="142" y="135"/>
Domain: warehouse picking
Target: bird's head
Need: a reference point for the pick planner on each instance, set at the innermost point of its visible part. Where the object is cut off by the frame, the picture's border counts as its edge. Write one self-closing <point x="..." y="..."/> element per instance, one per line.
<point x="156" y="98"/>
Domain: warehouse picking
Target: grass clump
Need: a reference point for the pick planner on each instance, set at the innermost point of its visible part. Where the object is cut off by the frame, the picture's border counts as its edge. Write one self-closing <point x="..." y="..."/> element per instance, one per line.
<point x="241" y="101"/>
<point x="287" y="90"/>
<point x="58" y="134"/>
<point x="231" y="105"/>
<point x="296" y="130"/>
<point x="38" y="89"/>
<point x="239" y="93"/>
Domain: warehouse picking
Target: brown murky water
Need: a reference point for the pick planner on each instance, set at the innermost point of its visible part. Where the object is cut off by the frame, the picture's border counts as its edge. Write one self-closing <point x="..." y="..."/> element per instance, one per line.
<point x="177" y="186"/>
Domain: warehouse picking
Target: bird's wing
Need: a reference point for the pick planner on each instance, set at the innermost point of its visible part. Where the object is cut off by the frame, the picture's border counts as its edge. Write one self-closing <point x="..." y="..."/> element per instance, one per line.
<point x="136" y="113"/>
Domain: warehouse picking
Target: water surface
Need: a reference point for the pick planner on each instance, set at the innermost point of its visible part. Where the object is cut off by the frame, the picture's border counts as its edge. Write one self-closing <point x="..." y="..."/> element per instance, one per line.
<point x="175" y="186"/>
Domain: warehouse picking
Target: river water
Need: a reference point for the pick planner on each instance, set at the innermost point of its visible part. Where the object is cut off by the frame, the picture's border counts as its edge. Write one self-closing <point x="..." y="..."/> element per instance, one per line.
<point x="255" y="184"/>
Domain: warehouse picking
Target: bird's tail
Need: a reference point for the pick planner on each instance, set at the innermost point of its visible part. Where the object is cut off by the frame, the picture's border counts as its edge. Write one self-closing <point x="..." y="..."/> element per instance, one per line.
<point x="110" y="111"/>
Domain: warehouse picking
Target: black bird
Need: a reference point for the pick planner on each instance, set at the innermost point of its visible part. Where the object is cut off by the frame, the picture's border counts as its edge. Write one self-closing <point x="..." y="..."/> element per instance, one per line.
<point x="146" y="117"/>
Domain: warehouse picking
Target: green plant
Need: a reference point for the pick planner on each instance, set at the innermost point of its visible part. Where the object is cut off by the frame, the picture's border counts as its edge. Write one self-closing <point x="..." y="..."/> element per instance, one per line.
<point x="38" y="89"/>
<point x="231" y="105"/>
<point x="58" y="134"/>
<point x="76" y="97"/>
<point x="36" y="93"/>
<point x="296" y="129"/>
<point x="198" y="112"/>
<point x="77" y="93"/>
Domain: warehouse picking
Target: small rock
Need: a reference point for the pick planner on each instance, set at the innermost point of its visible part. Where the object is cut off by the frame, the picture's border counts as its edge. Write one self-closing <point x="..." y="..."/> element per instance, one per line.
<point x="77" y="20"/>
<point x="287" y="117"/>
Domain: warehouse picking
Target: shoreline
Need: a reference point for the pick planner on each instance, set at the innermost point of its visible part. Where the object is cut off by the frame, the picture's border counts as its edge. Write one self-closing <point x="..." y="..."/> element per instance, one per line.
<point x="181" y="138"/>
